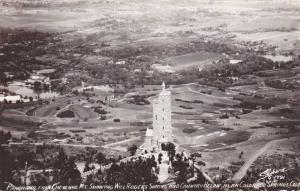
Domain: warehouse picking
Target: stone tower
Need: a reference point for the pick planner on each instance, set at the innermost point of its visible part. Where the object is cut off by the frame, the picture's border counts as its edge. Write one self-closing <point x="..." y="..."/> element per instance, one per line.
<point x="162" y="126"/>
<point x="162" y="115"/>
<point x="161" y="131"/>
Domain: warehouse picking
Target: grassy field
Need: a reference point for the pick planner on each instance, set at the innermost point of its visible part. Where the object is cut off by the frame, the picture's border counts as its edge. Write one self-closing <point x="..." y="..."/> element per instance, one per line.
<point x="51" y="109"/>
<point x="284" y="40"/>
<point x="82" y="112"/>
<point x="229" y="138"/>
<point x="224" y="158"/>
<point x="198" y="59"/>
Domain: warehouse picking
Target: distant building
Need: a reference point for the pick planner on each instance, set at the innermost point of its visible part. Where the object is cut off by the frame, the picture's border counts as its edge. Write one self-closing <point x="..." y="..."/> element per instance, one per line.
<point x="161" y="131"/>
<point x="48" y="95"/>
<point x="102" y="88"/>
<point x="122" y="62"/>
<point x="45" y="71"/>
<point x="41" y="76"/>
<point x="235" y="61"/>
<point x="28" y="175"/>
<point x="63" y="141"/>
<point x="11" y="99"/>
<point x="38" y="78"/>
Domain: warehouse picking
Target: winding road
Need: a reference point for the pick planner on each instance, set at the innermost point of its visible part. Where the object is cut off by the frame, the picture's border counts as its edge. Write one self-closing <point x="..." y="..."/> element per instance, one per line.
<point x="120" y="142"/>
<point x="243" y="170"/>
<point x="213" y="96"/>
<point x="59" y="144"/>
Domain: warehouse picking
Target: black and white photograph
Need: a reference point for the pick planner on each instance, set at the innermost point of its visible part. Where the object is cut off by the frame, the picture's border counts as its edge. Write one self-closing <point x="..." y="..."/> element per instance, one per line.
<point x="149" y="95"/>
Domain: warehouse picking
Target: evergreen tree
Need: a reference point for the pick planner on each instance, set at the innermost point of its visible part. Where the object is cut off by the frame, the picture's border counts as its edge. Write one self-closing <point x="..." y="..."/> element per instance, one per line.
<point x="87" y="167"/>
<point x="132" y="149"/>
<point x="6" y="167"/>
<point x="100" y="158"/>
<point x="67" y="172"/>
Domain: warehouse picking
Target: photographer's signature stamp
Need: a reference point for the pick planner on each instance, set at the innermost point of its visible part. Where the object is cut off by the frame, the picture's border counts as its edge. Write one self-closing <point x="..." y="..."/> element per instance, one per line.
<point x="272" y="174"/>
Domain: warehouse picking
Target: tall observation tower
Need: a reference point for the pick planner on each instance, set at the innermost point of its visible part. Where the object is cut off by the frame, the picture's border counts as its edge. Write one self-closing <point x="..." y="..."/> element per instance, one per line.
<point x="161" y="131"/>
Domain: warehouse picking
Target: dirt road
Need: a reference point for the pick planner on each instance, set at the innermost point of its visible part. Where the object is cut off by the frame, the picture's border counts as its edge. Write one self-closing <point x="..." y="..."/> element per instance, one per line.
<point x="243" y="170"/>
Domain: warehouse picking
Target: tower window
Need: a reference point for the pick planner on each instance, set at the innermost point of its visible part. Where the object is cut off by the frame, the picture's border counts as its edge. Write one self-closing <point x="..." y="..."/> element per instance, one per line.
<point x="156" y="117"/>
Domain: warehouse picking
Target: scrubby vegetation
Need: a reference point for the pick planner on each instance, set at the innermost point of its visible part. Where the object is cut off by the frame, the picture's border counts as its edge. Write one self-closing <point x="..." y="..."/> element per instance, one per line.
<point x="189" y="130"/>
<point x="66" y="114"/>
<point x="231" y="138"/>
